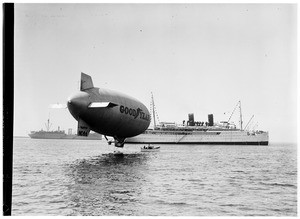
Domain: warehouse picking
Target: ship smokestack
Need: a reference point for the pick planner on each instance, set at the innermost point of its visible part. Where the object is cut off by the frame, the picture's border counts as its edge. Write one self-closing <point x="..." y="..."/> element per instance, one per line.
<point x="210" y="119"/>
<point x="191" y="121"/>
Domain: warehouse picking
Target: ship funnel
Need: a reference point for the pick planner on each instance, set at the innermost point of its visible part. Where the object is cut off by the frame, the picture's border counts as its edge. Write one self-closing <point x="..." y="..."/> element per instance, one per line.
<point x="210" y="119"/>
<point x="191" y="121"/>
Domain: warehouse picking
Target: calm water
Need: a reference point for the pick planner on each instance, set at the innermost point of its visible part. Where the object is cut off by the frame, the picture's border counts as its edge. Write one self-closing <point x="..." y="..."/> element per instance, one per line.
<point x="69" y="177"/>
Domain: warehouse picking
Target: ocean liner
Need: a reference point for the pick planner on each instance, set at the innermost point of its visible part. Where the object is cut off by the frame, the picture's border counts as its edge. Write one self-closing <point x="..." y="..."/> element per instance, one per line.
<point x="60" y="134"/>
<point x="192" y="132"/>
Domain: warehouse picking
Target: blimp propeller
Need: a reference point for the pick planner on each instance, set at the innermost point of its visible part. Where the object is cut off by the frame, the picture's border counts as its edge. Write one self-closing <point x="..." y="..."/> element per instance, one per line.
<point x="107" y="112"/>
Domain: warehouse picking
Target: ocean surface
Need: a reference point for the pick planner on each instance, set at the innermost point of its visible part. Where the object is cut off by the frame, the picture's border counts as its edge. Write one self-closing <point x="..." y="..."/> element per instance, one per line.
<point x="77" y="177"/>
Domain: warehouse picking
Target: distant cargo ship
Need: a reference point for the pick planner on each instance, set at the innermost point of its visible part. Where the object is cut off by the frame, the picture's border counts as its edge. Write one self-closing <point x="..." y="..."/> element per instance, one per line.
<point x="60" y="134"/>
<point x="191" y="132"/>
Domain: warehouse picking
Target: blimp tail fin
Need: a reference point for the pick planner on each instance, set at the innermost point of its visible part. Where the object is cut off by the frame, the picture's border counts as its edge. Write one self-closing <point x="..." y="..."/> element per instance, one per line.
<point x="86" y="82"/>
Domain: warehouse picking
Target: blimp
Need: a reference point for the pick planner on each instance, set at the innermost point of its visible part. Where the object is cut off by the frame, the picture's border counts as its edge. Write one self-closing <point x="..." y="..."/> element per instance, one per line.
<point x="110" y="113"/>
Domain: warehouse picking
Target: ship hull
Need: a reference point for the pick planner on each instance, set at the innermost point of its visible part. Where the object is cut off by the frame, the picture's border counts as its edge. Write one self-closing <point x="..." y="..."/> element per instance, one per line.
<point x="65" y="136"/>
<point x="46" y="136"/>
<point x="200" y="143"/>
<point x="201" y="138"/>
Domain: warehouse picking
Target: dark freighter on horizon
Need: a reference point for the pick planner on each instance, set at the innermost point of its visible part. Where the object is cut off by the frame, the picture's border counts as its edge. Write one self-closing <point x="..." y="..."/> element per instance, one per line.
<point x="60" y="134"/>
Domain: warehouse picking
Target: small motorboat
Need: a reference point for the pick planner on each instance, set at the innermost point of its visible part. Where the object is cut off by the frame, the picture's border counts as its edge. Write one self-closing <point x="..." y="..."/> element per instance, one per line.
<point x="150" y="148"/>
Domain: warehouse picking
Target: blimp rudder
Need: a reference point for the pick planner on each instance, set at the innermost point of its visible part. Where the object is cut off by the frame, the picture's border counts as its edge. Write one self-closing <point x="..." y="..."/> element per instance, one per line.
<point x="86" y="82"/>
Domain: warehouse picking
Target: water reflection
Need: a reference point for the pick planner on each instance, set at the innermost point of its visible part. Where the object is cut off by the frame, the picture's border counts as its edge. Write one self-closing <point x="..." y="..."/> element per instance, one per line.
<point x="106" y="184"/>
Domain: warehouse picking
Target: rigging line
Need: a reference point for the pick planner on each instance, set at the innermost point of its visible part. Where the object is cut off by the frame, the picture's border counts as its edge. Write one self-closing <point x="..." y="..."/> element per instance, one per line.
<point x="249" y="122"/>
<point x="233" y="111"/>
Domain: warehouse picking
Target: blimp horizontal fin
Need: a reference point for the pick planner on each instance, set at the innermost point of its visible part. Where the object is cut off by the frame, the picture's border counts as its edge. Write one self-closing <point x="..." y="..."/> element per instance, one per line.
<point x="101" y="104"/>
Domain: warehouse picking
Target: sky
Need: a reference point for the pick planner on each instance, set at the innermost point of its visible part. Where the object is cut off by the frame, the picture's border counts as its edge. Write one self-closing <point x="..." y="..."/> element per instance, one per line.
<point x="194" y="58"/>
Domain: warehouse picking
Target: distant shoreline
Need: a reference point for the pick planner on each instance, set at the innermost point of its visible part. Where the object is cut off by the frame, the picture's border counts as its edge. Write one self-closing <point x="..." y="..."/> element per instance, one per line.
<point x="21" y="136"/>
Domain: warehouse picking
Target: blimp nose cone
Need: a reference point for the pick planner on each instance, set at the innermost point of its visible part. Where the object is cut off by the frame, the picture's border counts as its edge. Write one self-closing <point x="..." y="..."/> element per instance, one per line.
<point x="78" y="103"/>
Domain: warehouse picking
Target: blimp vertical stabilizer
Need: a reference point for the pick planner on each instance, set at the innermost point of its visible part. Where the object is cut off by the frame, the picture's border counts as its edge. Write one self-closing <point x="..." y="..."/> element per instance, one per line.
<point x="86" y="82"/>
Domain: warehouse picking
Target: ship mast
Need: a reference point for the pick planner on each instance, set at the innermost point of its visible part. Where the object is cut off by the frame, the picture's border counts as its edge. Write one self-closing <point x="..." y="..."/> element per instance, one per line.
<point x="48" y="125"/>
<point x="241" y="119"/>
<point x="153" y="111"/>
